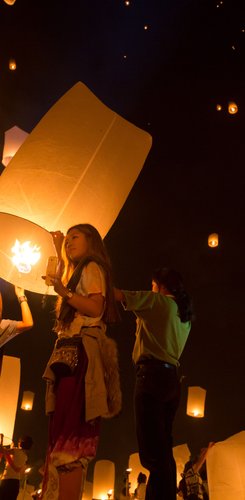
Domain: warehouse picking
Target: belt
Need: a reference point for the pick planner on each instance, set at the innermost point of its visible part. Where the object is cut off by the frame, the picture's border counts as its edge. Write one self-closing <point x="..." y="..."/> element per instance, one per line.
<point x="155" y="362"/>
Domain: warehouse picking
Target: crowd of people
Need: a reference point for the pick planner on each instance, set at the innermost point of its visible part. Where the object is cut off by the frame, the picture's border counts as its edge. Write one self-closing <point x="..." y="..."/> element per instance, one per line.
<point x="82" y="374"/>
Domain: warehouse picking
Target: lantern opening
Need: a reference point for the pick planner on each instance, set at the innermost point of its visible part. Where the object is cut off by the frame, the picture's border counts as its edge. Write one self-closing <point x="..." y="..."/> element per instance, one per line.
<point x="25" y="256"/>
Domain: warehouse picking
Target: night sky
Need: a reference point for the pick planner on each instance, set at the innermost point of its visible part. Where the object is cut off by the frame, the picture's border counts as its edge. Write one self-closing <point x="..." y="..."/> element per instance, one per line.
<point x="163" y="65"/>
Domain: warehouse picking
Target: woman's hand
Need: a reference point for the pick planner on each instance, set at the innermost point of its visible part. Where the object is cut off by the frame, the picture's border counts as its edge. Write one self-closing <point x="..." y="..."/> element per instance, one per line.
<point x="58" y="285"/>
<point x="19" y="292"/>
<point x="58" y="238"/>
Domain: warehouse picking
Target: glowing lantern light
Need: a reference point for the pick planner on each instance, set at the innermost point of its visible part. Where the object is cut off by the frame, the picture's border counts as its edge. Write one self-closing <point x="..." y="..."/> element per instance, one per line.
<point x="12" y="64"/>
<point x="9" y="390"/>
<point x="218" y="107"/>
<point x="136" y="467"/>
<point x="196" y="402"/>
<point x="232" y="108"/>
<point x="27" y="400"/>
<point x="25" y="256"/>
<point x="10" y="2"/>
<point x="13" y="139"/>
<point x="104" y="479"/>
<point x="213" y="240"/>
<point x="225" y="468"/>
<point x="12" y="227"/>
<point x="78" y="165"/>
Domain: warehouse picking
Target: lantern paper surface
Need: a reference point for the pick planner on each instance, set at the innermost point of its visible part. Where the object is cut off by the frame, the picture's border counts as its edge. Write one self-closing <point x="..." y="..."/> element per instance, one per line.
<point x="196" y="402"/>
<point x="9" y="390"/>
<point x="135" y="465"/>
<point x="78" y="165"/>
<point x="27" y="400"/>
<point x="181" y="456"/>
<point x="226" y="469"/>
<point x="88" y="491"/>
<point x="104" y="479"/>
<point x="13" y="139"/>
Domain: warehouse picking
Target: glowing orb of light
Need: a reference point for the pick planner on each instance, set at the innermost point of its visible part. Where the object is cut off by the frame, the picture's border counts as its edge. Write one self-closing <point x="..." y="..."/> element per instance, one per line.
<point x="232" y="108"/>
<point x="25" y="256"/>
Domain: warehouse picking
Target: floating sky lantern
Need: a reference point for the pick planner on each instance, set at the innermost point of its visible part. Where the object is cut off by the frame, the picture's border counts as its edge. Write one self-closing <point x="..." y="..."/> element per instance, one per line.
<point x="27" y="400"/>
<point x="213" y="240"/>
<point x="104" y="479"/>
<point x="232" y="108"/>
<point x="10" y="2"/>
<point x="218" y="107"/>
<point x="78" y="165"/>
<point x="196" y="402"/>
<point x="9" y="390"/>
<point x="13" y="139"/>
<point x="12" y="64"/>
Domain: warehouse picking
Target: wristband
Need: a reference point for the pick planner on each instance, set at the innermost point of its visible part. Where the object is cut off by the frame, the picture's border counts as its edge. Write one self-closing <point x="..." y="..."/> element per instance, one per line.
<point x="21" y="299"/>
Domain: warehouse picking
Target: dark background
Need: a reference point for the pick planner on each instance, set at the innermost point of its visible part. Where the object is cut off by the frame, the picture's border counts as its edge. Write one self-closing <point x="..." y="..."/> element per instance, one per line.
<point x="190" y="59"/>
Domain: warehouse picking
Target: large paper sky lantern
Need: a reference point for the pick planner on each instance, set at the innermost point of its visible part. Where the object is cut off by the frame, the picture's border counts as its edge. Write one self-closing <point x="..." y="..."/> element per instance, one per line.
<point x="13" y="139"/>
<point x="181" y="456"/>
<point x="226" y="469"/>
<point x="104" y="479"/>
<point x="135" y="465"/>
<point x="9" y="391"/>
<point x="78" y="165"/>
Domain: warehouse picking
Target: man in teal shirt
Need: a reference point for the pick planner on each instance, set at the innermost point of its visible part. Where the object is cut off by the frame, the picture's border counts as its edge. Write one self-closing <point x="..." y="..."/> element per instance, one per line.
<point x="163" y="325"/>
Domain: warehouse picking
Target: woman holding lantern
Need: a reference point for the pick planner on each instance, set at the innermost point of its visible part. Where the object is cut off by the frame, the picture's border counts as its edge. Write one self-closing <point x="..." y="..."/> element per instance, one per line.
<point x="163" y="325"/>
<point x="82" y="373"/>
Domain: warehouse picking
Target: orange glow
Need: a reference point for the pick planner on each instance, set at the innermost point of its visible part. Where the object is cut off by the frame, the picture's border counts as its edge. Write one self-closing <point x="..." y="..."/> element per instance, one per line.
<point x="232" y="108"/>
<point x="213" y="240"/>
<point x="12" y="65"/>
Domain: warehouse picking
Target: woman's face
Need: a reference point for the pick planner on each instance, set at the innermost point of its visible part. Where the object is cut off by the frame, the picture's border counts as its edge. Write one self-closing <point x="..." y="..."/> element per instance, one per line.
<point x="76" y="245"/>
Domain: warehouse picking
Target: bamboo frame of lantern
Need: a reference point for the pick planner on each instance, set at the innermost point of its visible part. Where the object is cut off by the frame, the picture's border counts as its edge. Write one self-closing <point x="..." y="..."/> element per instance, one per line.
<point x="9" y="390"/>
<point x="78" y="165"/>
<point x="213" y="240"/>
<point x="104" y="479"/>
<point x="196" y="402"/>
<point x="27" y="400"/>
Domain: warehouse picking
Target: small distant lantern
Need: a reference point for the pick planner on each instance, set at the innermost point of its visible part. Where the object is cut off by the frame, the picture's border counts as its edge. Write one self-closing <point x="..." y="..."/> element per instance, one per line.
<point x="27" y="400"/>
<point x="196" y="402"/>
<point x="213" y="240"/>
<point x="218" y="107"/>
<point x="232" y="108"/>
<point x="12" y="64"/>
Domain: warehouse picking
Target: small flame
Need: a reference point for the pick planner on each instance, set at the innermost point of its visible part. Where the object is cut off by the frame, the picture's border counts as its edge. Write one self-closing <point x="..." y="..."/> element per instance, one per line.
<point x="25" y="256"/>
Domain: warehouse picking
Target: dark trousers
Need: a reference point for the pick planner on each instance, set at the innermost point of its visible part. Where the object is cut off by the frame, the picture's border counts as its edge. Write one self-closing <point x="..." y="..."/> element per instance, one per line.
<point x="157" y="394"/>
<point x="9" y="489"/>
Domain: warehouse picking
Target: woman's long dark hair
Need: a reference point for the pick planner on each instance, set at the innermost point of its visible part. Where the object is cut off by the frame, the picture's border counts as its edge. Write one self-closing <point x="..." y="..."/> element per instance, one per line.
<point x="173" y="281"/>
<point x="72" y="273"/>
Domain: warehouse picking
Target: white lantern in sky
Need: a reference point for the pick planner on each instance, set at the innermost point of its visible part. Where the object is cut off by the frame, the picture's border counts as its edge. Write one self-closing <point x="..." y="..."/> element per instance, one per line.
<point x="9" y="390"/>
<point x="13" y="139"/>
<point x="77" y="166"/>
<point x="213" y="240"/>
<point x="27" y="400"/>
<point x="104" y="479"/>
<point x="196" y="402"/>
